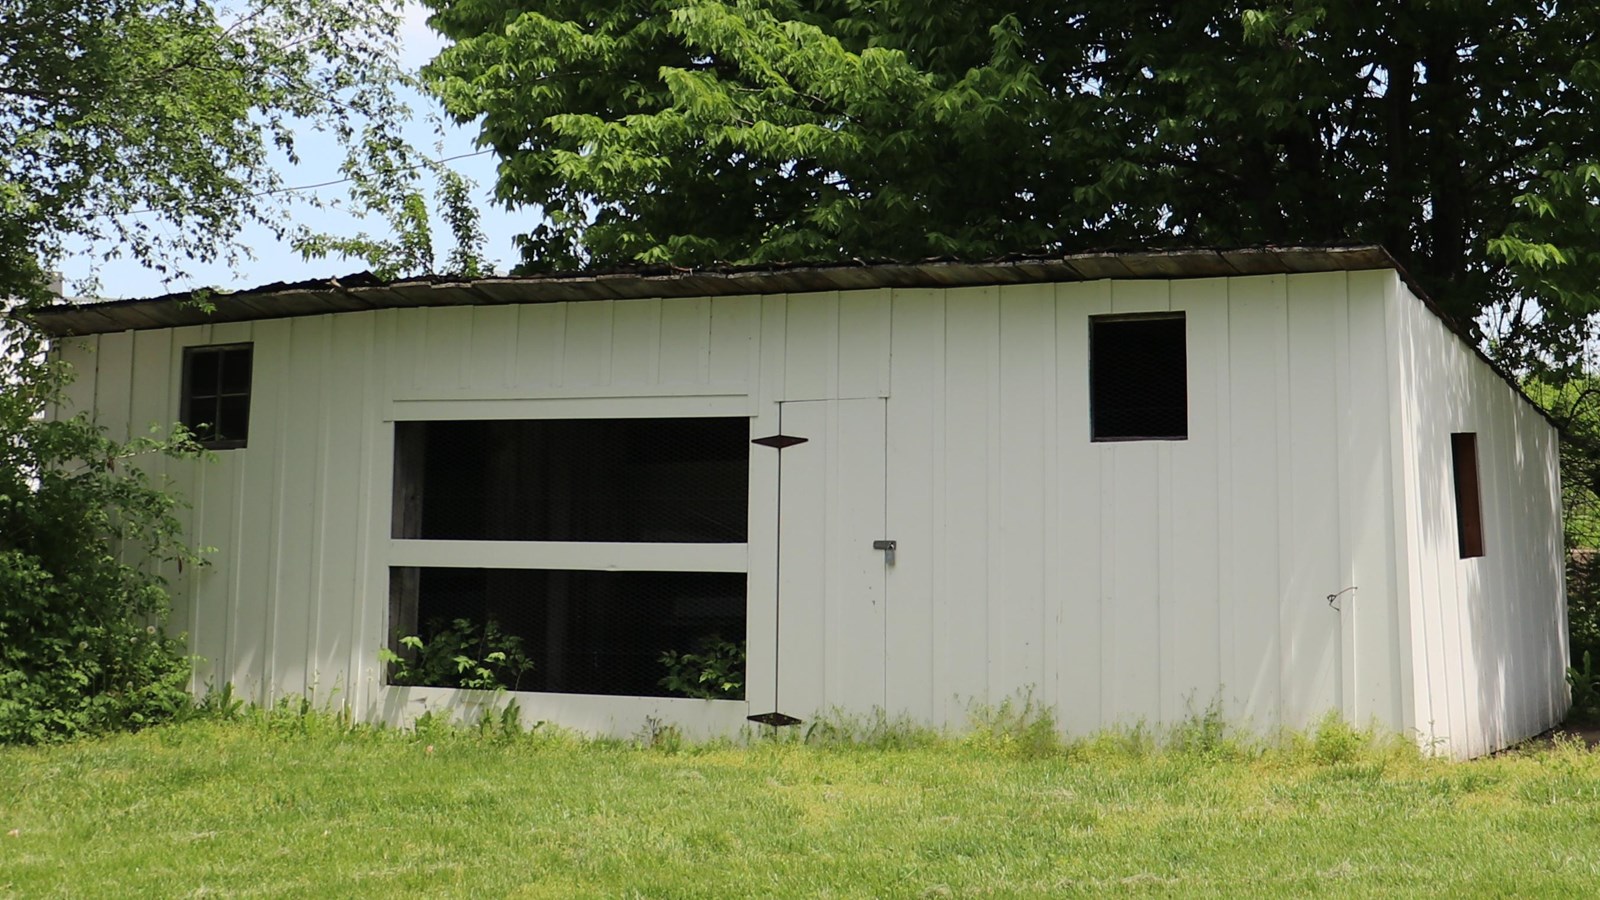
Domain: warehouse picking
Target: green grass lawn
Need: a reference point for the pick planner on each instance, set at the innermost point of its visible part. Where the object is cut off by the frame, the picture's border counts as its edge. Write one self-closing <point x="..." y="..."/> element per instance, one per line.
<point x="278" y="806"/>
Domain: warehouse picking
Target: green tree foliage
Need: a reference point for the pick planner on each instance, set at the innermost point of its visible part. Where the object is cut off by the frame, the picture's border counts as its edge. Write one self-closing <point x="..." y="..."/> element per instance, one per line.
<point x="146" y="128"/>
<point x="1459" y="135"/>
<point x="1574" y="403"/>
<point x="84" y="534"/>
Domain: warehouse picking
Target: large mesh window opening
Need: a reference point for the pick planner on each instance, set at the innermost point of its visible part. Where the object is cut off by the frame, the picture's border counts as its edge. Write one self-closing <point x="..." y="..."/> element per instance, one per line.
<point x="621" y="481"/>
<point x="625" y="480"/>
<point x="586" y="632"/>
<point x="1138" y="378"/>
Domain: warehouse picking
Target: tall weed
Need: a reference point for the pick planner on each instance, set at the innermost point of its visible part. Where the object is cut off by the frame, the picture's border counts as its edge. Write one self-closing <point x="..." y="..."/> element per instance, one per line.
<point x="1018" y="726"/>
<point x="874" y="730"/>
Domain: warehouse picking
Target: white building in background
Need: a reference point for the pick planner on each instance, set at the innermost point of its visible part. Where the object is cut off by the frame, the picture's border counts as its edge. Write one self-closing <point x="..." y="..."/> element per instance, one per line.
<point x="1132" y="484"/>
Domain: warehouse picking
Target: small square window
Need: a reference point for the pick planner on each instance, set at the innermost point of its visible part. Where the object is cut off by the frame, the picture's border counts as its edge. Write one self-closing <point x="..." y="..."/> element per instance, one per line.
<point x="1138" y="378"/>
<point x="216" y="394"/>
<point x="1469" y="507"/>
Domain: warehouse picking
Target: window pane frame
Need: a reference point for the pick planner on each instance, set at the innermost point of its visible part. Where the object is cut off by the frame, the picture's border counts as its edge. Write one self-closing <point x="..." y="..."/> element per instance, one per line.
<point x="447" y="496"/>
<point x="409" y="553"/>
<point x="221" y="435"/>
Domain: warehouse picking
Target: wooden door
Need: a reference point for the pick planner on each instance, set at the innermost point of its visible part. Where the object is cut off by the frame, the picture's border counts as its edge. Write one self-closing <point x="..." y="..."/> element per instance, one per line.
<point x="830" y="578"/>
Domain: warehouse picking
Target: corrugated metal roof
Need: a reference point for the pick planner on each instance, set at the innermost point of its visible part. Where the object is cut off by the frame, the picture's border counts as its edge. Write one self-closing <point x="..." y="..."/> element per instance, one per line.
<point x="363" y="291"/>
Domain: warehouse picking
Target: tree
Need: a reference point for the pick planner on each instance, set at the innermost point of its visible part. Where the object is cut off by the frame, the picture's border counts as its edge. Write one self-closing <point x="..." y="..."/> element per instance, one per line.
<point x="1459" y="135"/>
<point x="147" y="128"/>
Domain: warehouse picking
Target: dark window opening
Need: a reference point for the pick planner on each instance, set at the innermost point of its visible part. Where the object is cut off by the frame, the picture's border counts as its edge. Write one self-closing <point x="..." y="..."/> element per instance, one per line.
<point x="1469" y="508"/>
<point x="584" y="632"/>
<point x="216" y="394"/>
<point x="1138" y="378"/>
<point x="681" y="480"/>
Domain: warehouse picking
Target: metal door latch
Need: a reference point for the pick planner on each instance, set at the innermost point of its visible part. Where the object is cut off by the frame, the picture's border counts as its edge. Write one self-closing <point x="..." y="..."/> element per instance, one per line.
<point x="888" y="551"/>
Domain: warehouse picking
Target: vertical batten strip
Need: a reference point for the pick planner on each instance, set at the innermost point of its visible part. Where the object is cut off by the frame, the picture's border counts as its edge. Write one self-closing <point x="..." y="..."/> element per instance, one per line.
<point x="912" y="449"/>
<point x="1348" y="414"/>
<point x="966" y="549"/>
<point x="1190" y="605"/>
<point x="373" y="501"/>
<point x="1049" y="499"/>
<point x="995" y="602"/>
<point x="767" y="324"/>
<point x="1280" y="340"/>
<point x="1024" y="375"/>
<point x="330" y="389"/>
<point x="941" y="692"/>
<point x="1411" y="628"/>
<point x="1079" y="615"/>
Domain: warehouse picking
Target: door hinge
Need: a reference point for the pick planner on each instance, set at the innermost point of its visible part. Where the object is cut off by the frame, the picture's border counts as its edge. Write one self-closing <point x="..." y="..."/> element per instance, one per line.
<point x="779" y="441"/>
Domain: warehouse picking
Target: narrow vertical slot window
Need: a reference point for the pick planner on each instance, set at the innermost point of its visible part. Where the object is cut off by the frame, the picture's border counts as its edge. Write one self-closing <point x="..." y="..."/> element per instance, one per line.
<point x="1469" y="509"/>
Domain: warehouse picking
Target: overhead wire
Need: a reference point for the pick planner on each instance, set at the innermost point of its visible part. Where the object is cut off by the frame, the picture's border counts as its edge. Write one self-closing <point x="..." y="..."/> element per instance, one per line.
<point x="322" y="184"/>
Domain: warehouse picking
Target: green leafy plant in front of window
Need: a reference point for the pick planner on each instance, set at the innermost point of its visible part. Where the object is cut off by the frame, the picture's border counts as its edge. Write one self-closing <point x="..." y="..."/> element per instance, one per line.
<point x="459" y="653"/>
<point x="1585" y="684"/>
<point x="714" y="672"/>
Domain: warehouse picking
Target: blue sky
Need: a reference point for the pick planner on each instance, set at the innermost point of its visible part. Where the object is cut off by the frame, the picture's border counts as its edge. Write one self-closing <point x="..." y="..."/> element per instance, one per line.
<point x="276" y="261"/>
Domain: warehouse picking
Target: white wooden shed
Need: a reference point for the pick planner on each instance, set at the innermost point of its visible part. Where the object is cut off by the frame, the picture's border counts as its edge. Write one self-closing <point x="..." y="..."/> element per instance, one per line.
<point x="1132" y="484"/>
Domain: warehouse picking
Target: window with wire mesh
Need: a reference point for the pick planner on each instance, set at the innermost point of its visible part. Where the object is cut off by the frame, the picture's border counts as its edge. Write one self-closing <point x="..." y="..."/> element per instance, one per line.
<point x="681" y="480"/>
<point x="215" y="404"/>
<point x="1138" y="378"/>
<point x="650" y="634"/>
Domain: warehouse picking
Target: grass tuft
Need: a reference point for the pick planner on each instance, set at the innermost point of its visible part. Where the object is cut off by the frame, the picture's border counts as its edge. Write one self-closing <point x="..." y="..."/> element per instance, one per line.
<point x="1018" y="727"/>
<point x="873" y="731"/>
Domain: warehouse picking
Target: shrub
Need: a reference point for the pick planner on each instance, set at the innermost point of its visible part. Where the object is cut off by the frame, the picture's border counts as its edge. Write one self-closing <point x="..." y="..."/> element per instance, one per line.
<point x="1585" y="691"/>
<point x="84" y="536"/>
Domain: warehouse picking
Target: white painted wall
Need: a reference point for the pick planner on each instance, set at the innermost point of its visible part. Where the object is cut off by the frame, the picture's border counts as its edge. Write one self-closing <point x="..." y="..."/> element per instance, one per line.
<point x="1128" y="582"/>
<point x="1487" y="636"/>
<point x="295" y="599"/>
<point x="1120" y="582"/>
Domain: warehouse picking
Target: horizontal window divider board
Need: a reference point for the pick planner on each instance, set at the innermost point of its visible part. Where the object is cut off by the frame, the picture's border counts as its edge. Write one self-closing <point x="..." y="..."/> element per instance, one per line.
<point x="659" y="406"/>
<point x="803" y="398"/>
<point x="582" y="556"/>
<point x="615" y="715"/>
<point x="422" y="392"/>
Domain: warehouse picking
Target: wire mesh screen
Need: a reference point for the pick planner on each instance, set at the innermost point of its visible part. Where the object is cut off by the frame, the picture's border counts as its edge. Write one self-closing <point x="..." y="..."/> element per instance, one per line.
<point x="1138" y="378"/>
<point x="625" y="480"/>
<point x="627" y="633"/>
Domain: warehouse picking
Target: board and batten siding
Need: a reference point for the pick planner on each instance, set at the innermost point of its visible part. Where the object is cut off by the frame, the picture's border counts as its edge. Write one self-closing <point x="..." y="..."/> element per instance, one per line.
<point x="1487" y="635"/>
<point x="1142" y="581"/>
<point x="1117" y="582"/>
<point x="295" y="599"/>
